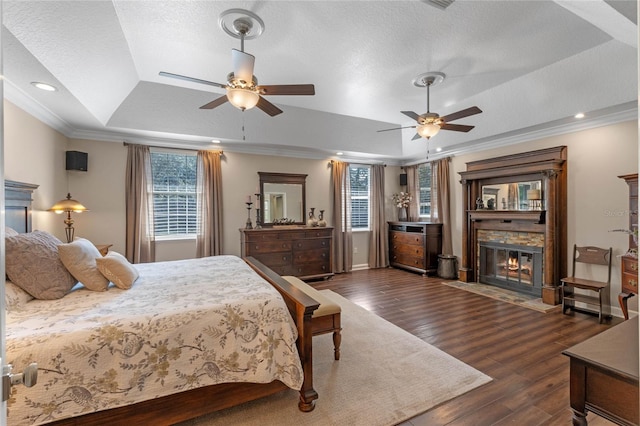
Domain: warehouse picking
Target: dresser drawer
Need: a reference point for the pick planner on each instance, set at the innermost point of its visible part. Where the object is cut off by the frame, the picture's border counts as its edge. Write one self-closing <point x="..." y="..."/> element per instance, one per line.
<point x="314" y="268"/>
<point x="407" y="238"/>
<point x="409" y="260"/>
<point x="630" y="283"/>
<point x="318" y="233"/>
<point x="274" y="259"/>
<point x="267" y="247"/>
<point x="408" y="249"/>
<point x="316" y="255"/>
<point x="314" y="243"/>
<point x="629" y="265"/>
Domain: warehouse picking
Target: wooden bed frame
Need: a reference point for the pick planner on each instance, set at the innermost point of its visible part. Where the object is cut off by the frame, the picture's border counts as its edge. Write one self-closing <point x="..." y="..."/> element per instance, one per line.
<point x="193" y="403"/>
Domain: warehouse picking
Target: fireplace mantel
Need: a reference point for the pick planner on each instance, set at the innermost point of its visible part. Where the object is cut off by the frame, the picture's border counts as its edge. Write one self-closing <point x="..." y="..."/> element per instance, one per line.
<point x="550" y="167"/>
<point x="535" y="216"/>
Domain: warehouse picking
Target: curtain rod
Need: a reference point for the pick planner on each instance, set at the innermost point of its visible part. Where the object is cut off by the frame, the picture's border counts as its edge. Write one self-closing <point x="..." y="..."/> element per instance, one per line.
<point x="125" y="143"/>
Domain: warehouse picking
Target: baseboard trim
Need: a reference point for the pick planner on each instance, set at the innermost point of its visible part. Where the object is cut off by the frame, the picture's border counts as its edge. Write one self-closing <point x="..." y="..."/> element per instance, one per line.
<point x="360" y="267"/>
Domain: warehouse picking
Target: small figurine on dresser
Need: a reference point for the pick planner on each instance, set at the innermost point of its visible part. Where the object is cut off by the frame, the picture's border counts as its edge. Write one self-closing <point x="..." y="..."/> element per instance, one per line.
<point x="479" y="204"/>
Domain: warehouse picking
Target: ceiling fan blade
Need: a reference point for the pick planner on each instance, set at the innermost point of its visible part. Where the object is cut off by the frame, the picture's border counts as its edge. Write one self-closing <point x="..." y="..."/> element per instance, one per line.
<point x="268" y="107"/>
<point x="215" y="103"/>
<point x="411" y="114"/>
<point x="287" y="89"/>
<point x="397" y="128"/>
<point x="461" y="114"/>
<point x="456" y="127"/>
<point x="191" y="79"/>
<point x="242" y="65"/>
<point x="416" y="137"/>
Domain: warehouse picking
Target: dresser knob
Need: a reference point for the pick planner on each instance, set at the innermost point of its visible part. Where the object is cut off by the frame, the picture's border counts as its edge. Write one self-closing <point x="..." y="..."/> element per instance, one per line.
<point x="634" y="266"/>
<point x="256" y="248"/>
<point x="633" y="283"/>
<point x="324" y="243"/>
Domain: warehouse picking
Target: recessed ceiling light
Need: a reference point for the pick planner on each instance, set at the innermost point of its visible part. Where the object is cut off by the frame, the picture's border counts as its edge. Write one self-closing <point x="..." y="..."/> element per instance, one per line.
<point x="579" y="115"/>
<point x="339" y="153"/>
<point x="44" y="86"/>
<point x="215" y="141"/>
<point x="438" y="149"/>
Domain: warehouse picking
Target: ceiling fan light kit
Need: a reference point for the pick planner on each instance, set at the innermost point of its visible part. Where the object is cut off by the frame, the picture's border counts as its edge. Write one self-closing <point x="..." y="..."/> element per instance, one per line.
<point x="430" y="123"/>
<point x="242" y="87"/>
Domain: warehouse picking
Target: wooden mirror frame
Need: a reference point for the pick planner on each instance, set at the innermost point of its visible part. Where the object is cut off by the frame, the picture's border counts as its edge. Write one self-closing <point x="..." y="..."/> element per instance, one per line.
<point x="282" y="178"/>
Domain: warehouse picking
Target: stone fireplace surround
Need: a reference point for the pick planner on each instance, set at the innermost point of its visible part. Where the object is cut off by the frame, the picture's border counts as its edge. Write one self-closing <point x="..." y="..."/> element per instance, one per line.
<point x="549" y="225"/>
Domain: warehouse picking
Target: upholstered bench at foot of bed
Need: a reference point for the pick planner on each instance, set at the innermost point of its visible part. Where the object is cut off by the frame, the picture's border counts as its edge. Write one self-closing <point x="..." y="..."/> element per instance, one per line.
<point x="326" y="318"/>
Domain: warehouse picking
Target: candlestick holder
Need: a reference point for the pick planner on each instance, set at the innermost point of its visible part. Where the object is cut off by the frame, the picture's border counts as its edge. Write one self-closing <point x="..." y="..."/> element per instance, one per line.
<point x="248" y="225"/>
<point x="258" y="222"/>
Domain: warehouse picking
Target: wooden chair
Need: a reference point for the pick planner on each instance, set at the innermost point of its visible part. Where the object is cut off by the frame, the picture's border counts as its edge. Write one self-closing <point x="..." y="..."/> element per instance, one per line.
<point x="592" y="256"/>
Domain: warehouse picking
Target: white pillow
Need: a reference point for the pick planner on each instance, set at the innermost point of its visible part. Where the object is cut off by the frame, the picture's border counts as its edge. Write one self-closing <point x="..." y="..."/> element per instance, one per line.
<point x="117" y="269"/>
<point x="10" y="232"/>
<point x="79" y="257"/>
<point x="15" y="298"/>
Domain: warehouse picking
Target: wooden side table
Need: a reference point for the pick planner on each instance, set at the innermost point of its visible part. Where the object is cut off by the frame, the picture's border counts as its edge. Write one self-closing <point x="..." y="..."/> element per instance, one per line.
<point x="103" y="248"/>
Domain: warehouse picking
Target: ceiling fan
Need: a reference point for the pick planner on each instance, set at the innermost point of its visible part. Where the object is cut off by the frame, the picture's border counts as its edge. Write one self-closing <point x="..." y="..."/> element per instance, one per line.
<point x="430" y="123"/>
<point x="242" y="87"/>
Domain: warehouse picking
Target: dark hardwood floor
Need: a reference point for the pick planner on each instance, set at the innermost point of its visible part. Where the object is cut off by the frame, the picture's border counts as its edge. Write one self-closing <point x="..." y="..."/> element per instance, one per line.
<point x="518" y="347"/>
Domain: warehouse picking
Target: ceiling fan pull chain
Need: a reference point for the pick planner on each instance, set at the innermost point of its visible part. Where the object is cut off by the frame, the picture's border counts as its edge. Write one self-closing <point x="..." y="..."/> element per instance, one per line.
<point x="243" y="138"/>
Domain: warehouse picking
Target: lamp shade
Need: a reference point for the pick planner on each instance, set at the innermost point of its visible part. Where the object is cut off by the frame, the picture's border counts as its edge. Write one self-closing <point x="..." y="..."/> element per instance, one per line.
<point x="428" y="130"/>
<point x="242" y="98"/>
<point x="68" y="205"/>
<point x="534" y="194"/>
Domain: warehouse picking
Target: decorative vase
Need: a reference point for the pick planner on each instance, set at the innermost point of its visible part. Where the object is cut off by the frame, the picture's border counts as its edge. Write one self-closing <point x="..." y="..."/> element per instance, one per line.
<point x="403" y="214"/>
<point x="312" y="221"/>
<point x="321" y="221"/>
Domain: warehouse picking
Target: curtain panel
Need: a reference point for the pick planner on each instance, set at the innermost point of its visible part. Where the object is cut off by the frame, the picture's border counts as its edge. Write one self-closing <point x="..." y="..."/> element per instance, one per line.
<point x="440" y="201"/>
<point x="209" y="203"/>
<point x="341" y="206"/>
<point x="378" y="236"/>
<point x="140" y="236"/>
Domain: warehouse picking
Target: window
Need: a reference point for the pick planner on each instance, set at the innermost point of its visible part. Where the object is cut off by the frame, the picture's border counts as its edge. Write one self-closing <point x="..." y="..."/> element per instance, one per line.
<point x="359" y="176"/>
<point x="424" y="177"/>
<point x="174" y="194"/>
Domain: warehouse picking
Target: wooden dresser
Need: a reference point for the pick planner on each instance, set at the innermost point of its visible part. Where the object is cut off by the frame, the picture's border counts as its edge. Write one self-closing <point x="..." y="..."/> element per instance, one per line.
<point x="629" y="278"/>
<point x="415" y="245"/>
<point x="304" y="252"/>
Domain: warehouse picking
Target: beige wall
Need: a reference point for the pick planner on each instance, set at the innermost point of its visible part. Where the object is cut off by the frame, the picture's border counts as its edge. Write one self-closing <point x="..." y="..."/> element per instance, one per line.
<point x="597" y="199"/>
<point x="34" y="153"/>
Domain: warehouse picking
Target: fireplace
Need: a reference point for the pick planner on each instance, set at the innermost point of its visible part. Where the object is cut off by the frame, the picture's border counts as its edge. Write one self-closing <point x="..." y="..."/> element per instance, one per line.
<point x="515" y="176"/>
<point x="511" y="266"/>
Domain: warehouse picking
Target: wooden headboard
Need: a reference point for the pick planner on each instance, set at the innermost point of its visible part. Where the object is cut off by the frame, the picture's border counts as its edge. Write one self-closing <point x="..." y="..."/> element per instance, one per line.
<point x="17" y="198"/>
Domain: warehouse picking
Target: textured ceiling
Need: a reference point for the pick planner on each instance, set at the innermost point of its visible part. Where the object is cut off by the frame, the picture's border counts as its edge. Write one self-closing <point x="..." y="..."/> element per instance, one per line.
<point x="529" y="65"/>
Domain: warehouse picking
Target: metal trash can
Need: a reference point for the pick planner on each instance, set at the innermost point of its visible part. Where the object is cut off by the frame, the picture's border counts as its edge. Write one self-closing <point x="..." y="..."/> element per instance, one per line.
<point x="447" y="266"/>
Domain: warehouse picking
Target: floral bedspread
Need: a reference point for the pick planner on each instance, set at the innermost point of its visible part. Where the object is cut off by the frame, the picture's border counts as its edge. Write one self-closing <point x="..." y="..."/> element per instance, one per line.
<point x="183" y="324"/>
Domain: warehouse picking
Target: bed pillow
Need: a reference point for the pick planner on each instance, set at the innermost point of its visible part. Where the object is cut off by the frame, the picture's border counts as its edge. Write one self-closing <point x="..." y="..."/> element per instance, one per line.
<point x="10" y="232"/>
<point x="79" y="257"/>
<point x="117" y="269"/>
<point x="33" y="264"/>
<point x="15" y="298"/>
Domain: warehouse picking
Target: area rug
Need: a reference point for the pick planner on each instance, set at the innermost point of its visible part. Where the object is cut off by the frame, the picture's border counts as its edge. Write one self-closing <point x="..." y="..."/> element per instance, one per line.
<point x="504" y="295"/>
<point x="385" y="375"/>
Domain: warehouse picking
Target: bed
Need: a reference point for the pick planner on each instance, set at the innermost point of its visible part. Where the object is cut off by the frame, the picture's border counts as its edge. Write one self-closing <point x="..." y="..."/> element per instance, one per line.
<point x="116" y="358"/>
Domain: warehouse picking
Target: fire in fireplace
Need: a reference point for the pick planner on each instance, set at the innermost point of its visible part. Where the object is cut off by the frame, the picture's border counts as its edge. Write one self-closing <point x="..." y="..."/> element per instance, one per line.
<point x="514" y="267"/>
